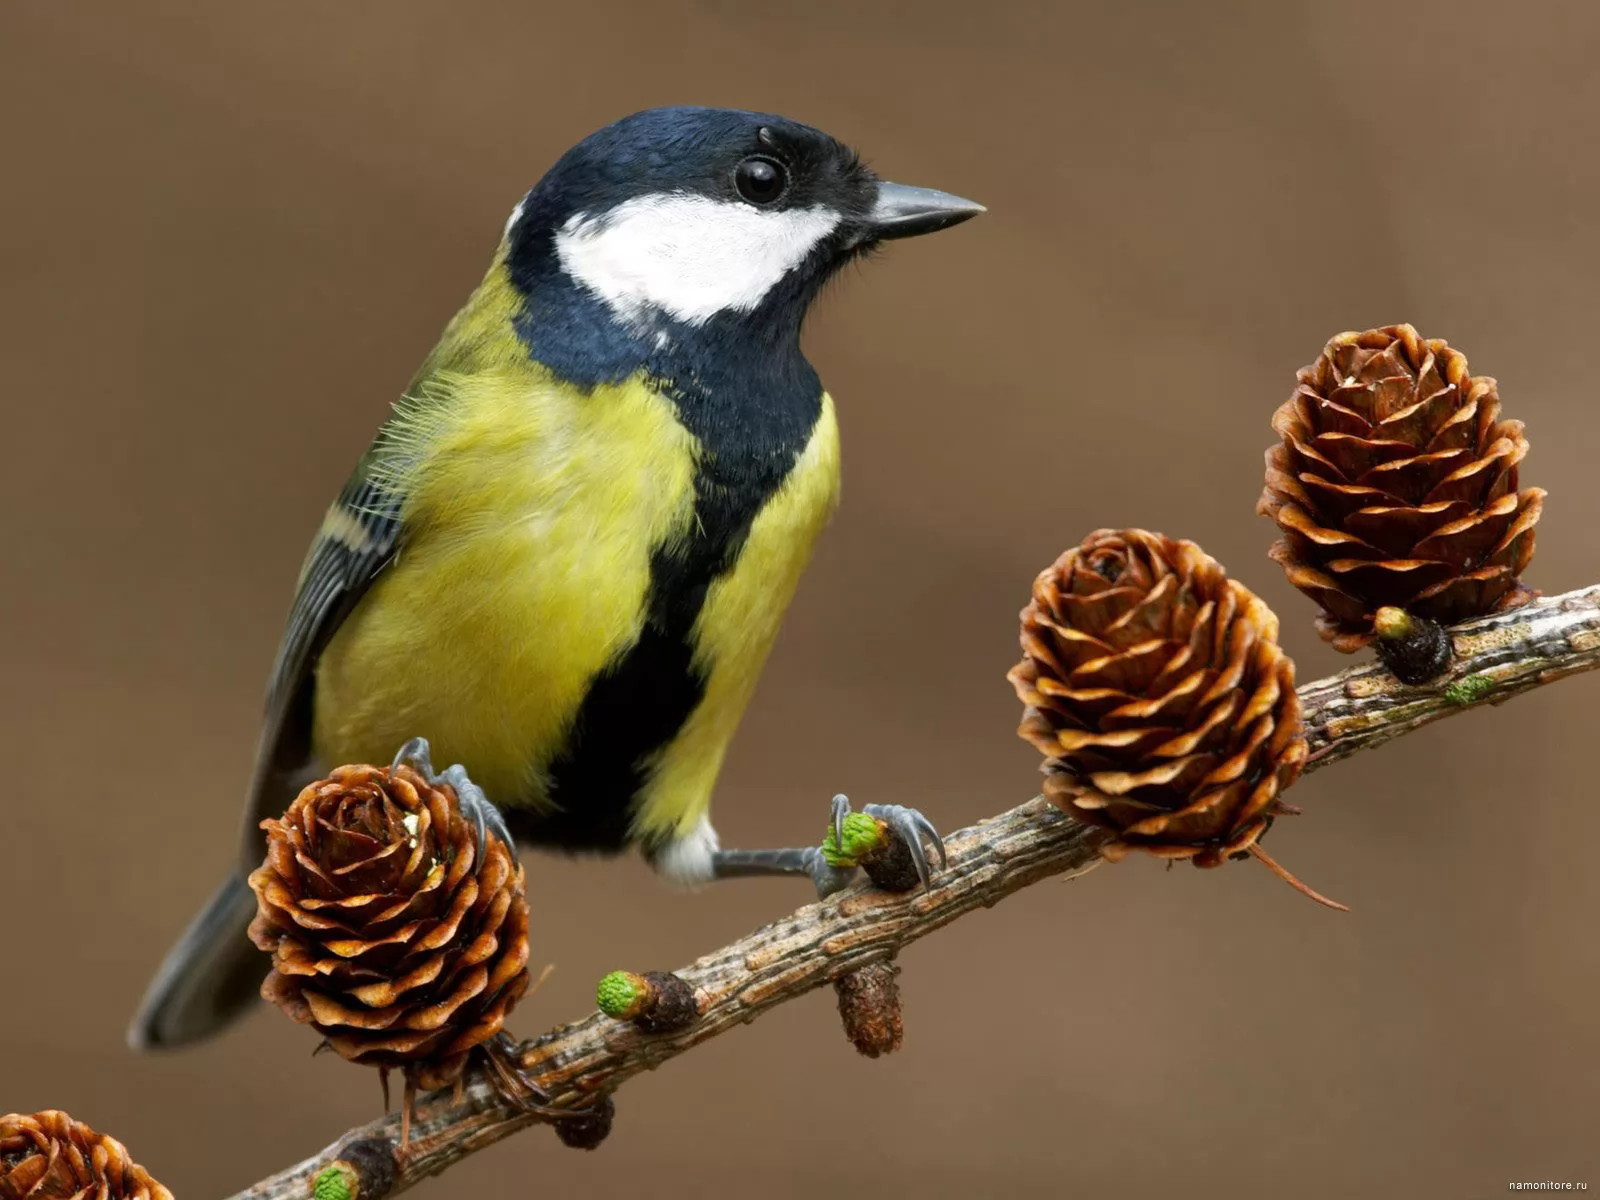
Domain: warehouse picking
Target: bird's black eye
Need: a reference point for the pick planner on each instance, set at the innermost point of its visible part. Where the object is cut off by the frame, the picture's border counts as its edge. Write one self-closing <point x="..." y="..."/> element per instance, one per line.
<point x="760" y="180"/>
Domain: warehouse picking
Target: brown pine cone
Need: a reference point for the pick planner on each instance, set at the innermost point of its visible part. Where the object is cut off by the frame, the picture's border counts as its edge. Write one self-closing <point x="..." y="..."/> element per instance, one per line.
<point x="387" y="934"/>
<point x="1157" y="691"/>
<point x="49" y="1156"/>
<point x="1396" y="485"/>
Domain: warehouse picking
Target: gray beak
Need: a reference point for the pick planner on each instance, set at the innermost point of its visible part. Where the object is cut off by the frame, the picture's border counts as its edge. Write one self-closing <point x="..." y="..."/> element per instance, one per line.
<point x="903" y="211"/>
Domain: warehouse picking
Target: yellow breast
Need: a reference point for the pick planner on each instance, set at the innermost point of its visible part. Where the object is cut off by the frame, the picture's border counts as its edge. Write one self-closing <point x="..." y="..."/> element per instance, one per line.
<point x="530" y="516"/>
<point x="532" y="512"/>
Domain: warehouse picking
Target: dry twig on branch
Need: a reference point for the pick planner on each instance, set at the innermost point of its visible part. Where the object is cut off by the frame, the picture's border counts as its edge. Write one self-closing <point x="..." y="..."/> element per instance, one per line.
<point x="1496" y="658"/>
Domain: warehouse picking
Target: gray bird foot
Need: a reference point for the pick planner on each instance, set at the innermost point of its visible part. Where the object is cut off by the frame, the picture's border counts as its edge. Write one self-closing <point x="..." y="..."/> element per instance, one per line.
<point x="475" y="806"/>
<point x="854" y="840"/>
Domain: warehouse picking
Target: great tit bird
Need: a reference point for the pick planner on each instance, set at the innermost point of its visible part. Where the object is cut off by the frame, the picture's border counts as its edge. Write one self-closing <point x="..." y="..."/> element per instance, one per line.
<point x="563" y="559"/>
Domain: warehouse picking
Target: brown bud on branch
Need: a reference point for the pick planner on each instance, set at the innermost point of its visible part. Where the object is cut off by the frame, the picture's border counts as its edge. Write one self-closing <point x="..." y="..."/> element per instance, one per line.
<point x="869" y="1006"/>
<point x="657" y="1001"/>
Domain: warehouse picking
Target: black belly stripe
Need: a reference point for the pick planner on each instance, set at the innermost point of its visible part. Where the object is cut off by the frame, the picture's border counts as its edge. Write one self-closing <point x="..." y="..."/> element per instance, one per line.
<point x="742" y="387"/>
<point x="639" y="703"/>
<point x="636" y="706"/>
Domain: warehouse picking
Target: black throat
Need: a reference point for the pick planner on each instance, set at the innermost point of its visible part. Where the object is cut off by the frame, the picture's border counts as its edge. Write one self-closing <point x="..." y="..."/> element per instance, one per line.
<point x="741" y="386"/>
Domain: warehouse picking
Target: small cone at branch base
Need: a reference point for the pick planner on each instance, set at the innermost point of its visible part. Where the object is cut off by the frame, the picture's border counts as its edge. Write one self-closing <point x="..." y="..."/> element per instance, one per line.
<point x="366" y="1167"/>
<point x="1156" y="689"/>
<point x="47" y="1155"/>
<point x="1414" y="648"/>
<point x="1396" y="484"/>
<point x="657" y="1001"/>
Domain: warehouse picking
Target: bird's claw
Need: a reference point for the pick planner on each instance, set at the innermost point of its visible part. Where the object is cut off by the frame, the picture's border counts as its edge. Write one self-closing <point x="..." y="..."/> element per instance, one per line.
<point x="841" y="810"/>
<point x="582" y="1128"/>
<point x="475" y="806"/>
<point x="417" y="755"/>
<point x="914" y="829"/>
<point x="884" y="838"/>
<point x="514" y="1084"/>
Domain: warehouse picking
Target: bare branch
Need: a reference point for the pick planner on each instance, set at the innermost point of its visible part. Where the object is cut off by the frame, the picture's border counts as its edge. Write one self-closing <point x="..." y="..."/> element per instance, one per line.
<point x="1496" y="658"/>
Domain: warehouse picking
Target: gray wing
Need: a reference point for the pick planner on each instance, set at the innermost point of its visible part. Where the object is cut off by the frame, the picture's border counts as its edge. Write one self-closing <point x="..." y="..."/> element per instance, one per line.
<point x="357" y="540"/>
<point x="214" y="973"/>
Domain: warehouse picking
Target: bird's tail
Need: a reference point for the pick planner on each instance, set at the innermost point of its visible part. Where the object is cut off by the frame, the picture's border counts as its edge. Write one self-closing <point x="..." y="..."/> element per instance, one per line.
<point x="208" y="979"/>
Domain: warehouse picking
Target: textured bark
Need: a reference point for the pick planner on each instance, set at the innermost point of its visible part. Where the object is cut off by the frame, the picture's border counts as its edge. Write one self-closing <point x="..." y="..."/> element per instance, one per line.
<point x="1496" y="658"/>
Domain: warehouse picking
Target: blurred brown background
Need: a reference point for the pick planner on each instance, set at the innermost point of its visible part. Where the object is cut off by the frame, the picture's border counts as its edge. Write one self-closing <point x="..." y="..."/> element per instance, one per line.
<point x="229" y="233"/>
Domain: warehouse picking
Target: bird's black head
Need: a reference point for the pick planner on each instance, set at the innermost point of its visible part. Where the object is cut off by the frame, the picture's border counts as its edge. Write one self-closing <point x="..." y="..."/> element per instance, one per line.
<point x="693" y="232"/>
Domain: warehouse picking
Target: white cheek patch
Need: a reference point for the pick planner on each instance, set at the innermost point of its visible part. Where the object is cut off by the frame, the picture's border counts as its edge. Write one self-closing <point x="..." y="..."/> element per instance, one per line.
<point x="690" y="257"/>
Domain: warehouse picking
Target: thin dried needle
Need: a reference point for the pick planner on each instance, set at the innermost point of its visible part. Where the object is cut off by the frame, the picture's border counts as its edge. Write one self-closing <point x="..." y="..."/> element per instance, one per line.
<point x="406" y="1106"/>
<point x="1282" y="873"/>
